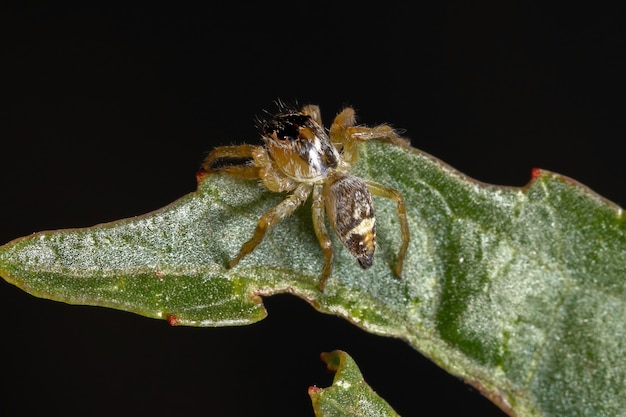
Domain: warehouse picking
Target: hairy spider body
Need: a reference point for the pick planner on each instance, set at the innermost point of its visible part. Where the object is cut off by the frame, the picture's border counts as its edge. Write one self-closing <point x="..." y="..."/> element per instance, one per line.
<point x="351" y="213"/>
<point x="301" y="157"/>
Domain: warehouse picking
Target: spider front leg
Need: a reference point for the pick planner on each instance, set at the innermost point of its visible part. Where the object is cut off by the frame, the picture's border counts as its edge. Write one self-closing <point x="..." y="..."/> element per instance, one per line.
<point x="270" y="218"/>
<point x="313" y="111"/>
<point x="395" y="195"/>
<point x="232" y="152"/>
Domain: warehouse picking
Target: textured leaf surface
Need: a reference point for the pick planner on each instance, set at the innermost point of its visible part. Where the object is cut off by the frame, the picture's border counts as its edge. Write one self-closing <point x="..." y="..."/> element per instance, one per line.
<point x="520" y="291"/>
<point x="349" y="395"/>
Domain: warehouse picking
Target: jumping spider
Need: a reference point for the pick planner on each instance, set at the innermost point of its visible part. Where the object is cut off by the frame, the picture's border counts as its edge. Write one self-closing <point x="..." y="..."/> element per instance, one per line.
<point x="301" y="157"/>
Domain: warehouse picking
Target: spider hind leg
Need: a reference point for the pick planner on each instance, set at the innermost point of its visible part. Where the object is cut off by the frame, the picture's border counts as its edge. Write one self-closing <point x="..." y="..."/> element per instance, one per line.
<point x="395" y="195"/>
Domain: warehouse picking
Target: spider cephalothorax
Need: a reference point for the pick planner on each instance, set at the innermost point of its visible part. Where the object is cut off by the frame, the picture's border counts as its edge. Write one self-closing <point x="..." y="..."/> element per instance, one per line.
<point x="299" y="146"/>
<point x="301" y="157"/>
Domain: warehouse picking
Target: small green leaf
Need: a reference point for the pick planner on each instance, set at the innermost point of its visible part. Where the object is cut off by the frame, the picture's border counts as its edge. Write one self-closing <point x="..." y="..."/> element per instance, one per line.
<point x="349" y="395"/>
<point x="520" y="291"/>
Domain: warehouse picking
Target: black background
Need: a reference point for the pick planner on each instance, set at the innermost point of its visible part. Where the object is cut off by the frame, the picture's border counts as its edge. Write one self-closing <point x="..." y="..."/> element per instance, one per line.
<point x="106" y="112"/>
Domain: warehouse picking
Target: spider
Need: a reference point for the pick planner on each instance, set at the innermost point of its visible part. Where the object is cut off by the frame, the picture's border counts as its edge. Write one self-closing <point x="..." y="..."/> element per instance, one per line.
<point x="301" y="157"/>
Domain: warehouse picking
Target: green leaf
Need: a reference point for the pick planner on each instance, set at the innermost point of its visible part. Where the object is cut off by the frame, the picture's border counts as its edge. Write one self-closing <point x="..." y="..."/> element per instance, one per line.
<point x="349" y="395"/>
<point x="520" y="291"/>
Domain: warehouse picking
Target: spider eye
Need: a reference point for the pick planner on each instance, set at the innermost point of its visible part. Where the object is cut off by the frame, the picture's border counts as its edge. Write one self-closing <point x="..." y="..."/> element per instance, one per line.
<point x="287" y="132"/>
<point x="285" y="127"/>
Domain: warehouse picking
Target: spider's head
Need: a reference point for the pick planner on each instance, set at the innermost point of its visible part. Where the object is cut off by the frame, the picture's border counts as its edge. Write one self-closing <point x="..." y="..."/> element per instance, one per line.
<point x="289" y="127"/>
<point x="299" y="145"/>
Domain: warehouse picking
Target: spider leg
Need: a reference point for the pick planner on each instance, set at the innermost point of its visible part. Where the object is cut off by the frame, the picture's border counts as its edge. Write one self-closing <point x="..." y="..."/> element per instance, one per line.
<point x="345" y="118"/>
<point x="270" y="218"/>
<point x="319" y="225"/>
<point x="249" y="172"/>
<point x="227" y="152"/>
<point x="380" y="132"/>
<point x="395" y="195"/>
<point x="346" y="135"/>
<point x="313" y="111"/>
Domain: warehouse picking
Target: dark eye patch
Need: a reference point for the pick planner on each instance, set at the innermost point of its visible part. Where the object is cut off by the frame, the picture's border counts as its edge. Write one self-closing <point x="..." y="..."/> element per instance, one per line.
<point x="286" y="126"/>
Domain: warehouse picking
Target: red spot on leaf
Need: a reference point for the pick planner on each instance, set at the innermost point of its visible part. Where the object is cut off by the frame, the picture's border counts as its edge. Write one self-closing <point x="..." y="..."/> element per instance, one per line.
<point x="314" y="390"/>
<point x="173" y="320"/>
<point x="535" y="173"/>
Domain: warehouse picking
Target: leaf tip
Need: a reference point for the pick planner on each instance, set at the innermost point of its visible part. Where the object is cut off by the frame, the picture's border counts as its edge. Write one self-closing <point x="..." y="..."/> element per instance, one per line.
<point x="332" y="359"/>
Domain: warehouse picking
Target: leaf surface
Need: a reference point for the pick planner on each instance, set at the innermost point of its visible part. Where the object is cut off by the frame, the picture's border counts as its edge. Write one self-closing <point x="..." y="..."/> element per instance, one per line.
<point x="520" y="291"/>
<point x="349" y="395"/>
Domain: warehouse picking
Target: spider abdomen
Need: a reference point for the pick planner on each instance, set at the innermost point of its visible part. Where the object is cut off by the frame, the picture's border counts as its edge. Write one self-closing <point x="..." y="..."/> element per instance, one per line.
<point x="351" y="213"/>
